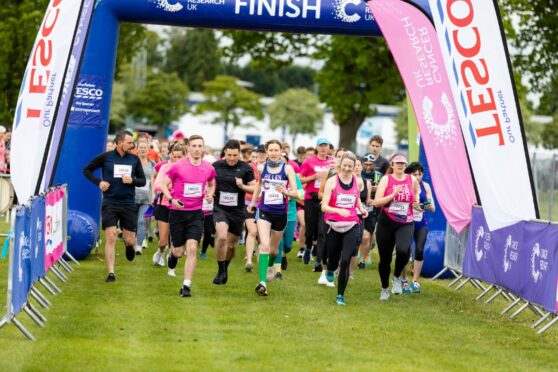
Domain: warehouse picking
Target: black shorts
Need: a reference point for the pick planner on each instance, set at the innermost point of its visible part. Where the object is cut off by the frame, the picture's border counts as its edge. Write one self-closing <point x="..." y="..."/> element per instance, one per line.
<point x="184" y="226"/>
<point x="250" y="215"/>
<point x="234" y="220"/>
<point x="370" y="222"/>
<point x="125" y="216"/>
<point x="162" y="213"/>
<point x="278" y="221"/>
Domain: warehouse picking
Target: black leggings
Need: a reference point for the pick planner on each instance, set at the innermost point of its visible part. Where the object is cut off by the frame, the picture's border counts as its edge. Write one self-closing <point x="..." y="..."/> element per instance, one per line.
<point x="311" y="220"/>
<point x="322" y="254"/>
<point x="389" y="234"/>
<point x="340" y="248"/>
<point x="420" y="241"/>
<point x="208" y="232"/>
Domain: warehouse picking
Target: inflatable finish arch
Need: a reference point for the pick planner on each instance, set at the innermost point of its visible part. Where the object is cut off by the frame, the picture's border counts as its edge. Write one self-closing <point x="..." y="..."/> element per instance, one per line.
<point x="86" y="134"/>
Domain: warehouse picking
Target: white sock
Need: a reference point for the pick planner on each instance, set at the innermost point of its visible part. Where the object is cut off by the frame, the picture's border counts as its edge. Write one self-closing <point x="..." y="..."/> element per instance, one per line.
<point x="187" y="283"/>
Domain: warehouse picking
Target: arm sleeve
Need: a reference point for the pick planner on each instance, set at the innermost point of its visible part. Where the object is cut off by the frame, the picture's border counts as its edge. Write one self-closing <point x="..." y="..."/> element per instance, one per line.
<point x="94" y="164"/>
<point x="249" y="174"/>
<point x="139" y="180"/>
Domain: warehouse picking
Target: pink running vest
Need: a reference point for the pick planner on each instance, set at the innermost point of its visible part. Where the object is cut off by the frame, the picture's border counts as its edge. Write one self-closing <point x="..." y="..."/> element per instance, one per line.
<point x="400" y="209"/>
<point x="345" y="199"/>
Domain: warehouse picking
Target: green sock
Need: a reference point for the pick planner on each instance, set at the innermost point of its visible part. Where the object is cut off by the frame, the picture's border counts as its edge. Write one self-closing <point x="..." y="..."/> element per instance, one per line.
<point x="262" y="266"/>
<point x="271" y="261"/>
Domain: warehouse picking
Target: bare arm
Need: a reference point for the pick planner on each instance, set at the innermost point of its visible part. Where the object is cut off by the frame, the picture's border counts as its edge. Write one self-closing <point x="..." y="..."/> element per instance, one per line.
<point x="431" y="206"/>
<point x="380" y="200"/>
<point x="322" y="186"/>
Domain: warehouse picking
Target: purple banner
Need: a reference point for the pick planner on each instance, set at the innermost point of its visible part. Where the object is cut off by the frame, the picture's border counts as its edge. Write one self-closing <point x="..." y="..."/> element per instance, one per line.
<point x="522" y="258"/>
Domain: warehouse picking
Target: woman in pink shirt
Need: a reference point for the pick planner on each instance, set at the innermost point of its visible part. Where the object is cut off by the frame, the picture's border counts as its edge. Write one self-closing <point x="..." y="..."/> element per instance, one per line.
<point x="162" y="207"/>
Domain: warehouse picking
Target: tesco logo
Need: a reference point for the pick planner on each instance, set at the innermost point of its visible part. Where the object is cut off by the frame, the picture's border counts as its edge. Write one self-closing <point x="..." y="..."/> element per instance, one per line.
<point x="89" y="93"/>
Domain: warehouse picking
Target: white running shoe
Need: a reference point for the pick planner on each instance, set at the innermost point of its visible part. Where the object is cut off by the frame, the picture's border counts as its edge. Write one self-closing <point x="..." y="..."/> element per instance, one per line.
<point x="138" y="250"/>
<point x="144" y="244"/>
<point x="270" y="274"/>
<point x="158" y="258"/>
<point x="171" y="272"/>
<point x="384" y="294"/>
<point x="397" y="286"/>
<point x="322" y="280"/>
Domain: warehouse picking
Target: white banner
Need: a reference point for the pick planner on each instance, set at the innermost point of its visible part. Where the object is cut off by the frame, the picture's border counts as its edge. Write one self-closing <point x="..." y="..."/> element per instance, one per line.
<point x="474" y="49"/>
<point x="39" y="95"/>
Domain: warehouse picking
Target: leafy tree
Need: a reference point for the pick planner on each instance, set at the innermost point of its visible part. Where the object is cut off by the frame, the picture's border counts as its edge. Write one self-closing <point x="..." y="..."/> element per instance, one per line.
<point x="130" y="39"/>
<point x="155" y="55"/>
<point x="230" y="101"/>
<point x="161" y="101"/>
<point x="117" y="107"/>
<point x="357" y="72"/>
<point x="194" y="55"/>
<point x="295" y="109"/>
<point x="550" y="134"/>
<point x="402" y="123"/>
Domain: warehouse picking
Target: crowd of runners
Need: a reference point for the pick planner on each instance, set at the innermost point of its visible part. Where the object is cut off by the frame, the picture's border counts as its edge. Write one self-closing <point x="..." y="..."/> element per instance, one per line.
<point x="337" y="205"/>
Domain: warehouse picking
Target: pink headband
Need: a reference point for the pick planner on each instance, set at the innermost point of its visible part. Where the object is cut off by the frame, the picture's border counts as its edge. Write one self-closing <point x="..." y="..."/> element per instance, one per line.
<point x="399" y="159"/>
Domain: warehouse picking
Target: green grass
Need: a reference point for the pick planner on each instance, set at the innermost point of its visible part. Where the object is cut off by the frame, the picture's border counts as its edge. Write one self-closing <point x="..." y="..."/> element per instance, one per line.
<point x="544" y="203"/>
<point x="140" y="323"/>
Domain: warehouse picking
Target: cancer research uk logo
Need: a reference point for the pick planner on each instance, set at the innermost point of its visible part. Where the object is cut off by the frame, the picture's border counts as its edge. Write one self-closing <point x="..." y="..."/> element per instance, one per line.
<point x="539" y="263"/>
<point x="482" y="243"/>
<point x="444" y="133"/>
<point x="511" y="253"/>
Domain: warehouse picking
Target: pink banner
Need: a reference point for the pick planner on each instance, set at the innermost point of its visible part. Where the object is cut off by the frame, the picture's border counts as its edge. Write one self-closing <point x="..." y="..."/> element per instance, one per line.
<point x="53" y="227"/>
<point x="414" y="45"/>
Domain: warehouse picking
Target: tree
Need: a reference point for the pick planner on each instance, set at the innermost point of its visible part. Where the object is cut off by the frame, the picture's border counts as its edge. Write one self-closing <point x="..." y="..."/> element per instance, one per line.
<point x="357" y="72"/>
<point x="161" y="101"/>
<point x="194" y="55"/>
<point x="155" y="56"/>
<point x="117" y="107"/>
<point x="230" y="101"/>
<point x="402" y="123"/>
<point x="550" y="134"/>
<point x="295" y="109"/>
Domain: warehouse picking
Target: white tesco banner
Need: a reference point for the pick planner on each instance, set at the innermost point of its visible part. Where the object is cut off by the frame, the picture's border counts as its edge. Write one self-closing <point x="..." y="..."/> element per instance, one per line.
<point x="39" y="95"/>
<point x="472" y="41"/>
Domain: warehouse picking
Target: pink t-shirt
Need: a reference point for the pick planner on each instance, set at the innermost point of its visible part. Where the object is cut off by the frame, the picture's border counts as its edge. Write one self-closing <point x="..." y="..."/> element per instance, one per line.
<point x="344" y="199"/>
<point x="160" y="164"/>
<point x="312" y="166"/>
<point x="400" y="209"/>
<point x="159" y="180"/>
<point x="189" y="183"/>
<point x="295" y="166"/>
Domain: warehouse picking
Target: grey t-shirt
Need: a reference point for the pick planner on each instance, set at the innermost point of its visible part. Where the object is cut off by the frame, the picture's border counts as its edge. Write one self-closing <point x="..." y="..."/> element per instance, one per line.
<point x="143" y="194"/>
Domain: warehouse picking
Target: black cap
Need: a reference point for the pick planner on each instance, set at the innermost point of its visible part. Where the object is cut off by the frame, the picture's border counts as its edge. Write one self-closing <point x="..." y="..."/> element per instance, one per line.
<point x="260" y="148"/>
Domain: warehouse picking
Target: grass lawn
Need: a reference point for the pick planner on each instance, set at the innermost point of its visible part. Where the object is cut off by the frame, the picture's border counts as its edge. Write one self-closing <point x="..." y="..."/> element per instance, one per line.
<point x="141" y="323"/>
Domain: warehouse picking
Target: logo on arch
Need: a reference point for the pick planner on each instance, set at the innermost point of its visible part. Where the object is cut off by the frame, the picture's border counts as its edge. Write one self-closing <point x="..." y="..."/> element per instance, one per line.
<point x="343" y="12"/>
<point x="169" y="6"/>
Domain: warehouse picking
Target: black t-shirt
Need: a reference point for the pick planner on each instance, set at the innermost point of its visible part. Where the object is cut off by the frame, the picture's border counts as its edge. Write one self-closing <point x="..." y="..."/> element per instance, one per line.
<point x="113" y="166"/>
<point x="381" y="164"/>
<point x="228" y="195"/>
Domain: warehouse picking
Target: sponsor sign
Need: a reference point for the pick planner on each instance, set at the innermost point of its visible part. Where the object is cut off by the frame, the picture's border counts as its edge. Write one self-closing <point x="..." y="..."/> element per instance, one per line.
<point x="54" y="218"/>
<point x="413" y="42"/>
<point x="474" y="46"/>
<point x="21" y="262"/>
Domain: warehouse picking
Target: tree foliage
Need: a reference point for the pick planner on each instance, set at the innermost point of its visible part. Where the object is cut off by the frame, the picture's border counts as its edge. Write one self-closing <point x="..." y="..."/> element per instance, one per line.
<point x="357" y="73"/>
<point x="161" y="101"/>
<point x="296" y="109"/>
<point x="231" y="102"/>
<point x="194" y="55"/>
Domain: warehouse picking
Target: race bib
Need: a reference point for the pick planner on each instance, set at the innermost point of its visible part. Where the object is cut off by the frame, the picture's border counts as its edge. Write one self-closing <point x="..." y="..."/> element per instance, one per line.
<point x="399" y="208"/>
<point x="228" y="199"/>
<point x="193" y="190"/>
<point x="417" y="215"/>
<point x="206" y="206"/>
<point x="345" y="201"/>
<point x="121" y="170"/>
<point x="273" y="197"/>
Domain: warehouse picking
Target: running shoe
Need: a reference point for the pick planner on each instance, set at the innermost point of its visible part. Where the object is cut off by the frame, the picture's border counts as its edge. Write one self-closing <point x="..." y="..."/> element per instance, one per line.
<point x="157" y="256"/>
<point x="406" y="288"/>
<point x="220" y="278"/>
<point x="270" y="273"/>
<point x="110" y="278"/>
<point x="261" y="289"/>
<point x="384" y="294"/>
<point x="171" y="261"/>
<point x="340" y="300"/>
<point x="300" y="253"/>
<point x="144" y="244"/>
<point x="317" y="268"/>
<point x="279" y="275"/>
<point x="397" y="286"/>
<point x="203" y="256"/>
<point x="361" y="265"/>
<point x="322" y="280"/>
<point x="330" y="277"/>
<point x="138" y="250"/>
<point x="415" y="287"/>
<point x="171" y="272"/>
<point x="161" y="261"/>
<point x="284" y="263"/>
<point x="306" y="256"/>
<point x="130" y="253"/>
<point x="185" y="291"/>
<point x="248" y="267"/>
<point x="150" y="239"/>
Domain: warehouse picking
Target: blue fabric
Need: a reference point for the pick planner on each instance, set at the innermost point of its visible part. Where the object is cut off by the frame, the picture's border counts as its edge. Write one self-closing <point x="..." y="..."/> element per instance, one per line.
<point x="140" y="235"/>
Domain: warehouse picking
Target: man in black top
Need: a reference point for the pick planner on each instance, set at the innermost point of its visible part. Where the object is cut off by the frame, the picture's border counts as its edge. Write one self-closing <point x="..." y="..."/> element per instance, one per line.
<point x="234" y="179"/>
<point x="122" y="172"/>
<point x="375" y="144"/>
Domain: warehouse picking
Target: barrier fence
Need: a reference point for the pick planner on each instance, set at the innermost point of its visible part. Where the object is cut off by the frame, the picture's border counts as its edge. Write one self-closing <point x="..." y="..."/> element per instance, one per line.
<point x="518" y="263"/>
<point x="37" y="246"/>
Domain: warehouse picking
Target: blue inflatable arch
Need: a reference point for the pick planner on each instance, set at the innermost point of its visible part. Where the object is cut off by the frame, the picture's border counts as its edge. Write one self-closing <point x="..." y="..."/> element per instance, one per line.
<point x="86" y="134"/>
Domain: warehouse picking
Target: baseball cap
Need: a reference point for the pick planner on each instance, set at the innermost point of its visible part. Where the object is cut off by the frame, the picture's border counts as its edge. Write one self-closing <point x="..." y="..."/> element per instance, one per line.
<point x="399" y="159"/>
<point x="3" y="129"/>
<point x="369" y="158"/>
<point x="260" y="148"/>
<point x="322" y="141"/>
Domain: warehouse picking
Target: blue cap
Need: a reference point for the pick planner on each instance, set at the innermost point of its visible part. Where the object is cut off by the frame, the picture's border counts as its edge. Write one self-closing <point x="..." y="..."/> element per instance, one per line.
<point x="322" y="141"/>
